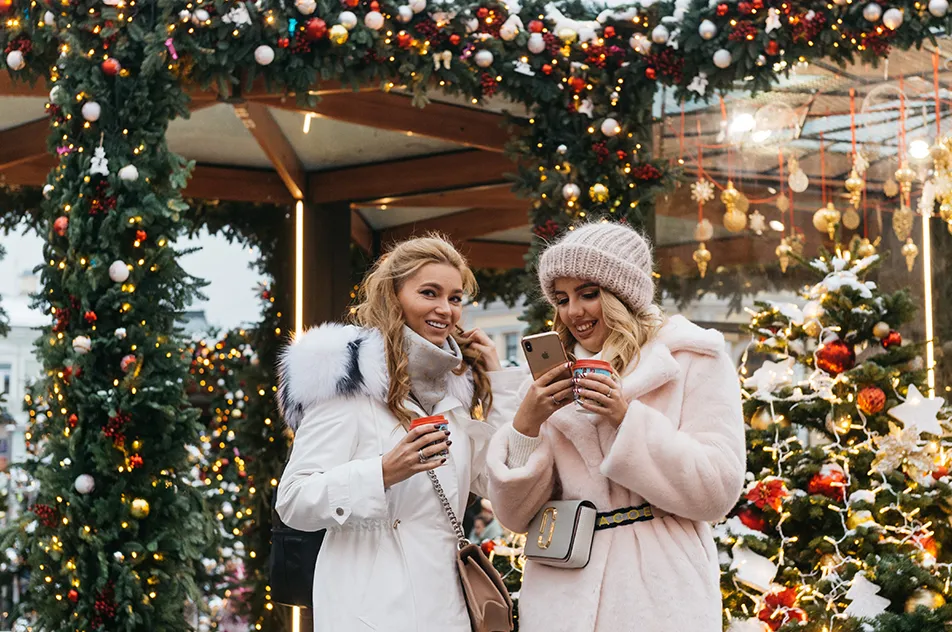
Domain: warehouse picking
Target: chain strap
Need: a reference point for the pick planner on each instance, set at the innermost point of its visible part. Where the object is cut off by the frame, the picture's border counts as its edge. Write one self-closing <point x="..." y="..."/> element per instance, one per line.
<point x="460" y="536"/>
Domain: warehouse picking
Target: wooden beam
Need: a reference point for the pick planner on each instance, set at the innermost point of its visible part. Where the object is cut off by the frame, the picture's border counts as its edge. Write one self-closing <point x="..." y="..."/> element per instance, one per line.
<point x="258" y="120"/>
<point x="10" y="88"/>
<point x="490" y="196"/>
<point x="360" y="232"/>
<point x="461" y="226"/>
<point x="23" y="143"/>
<point x="383" y="181"/>
<point x="495" y="254"/>
<point x="385" y="110"/>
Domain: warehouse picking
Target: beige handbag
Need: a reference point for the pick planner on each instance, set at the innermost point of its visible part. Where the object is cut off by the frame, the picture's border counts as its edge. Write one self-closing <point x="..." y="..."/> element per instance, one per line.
<point x="488" y="601"/>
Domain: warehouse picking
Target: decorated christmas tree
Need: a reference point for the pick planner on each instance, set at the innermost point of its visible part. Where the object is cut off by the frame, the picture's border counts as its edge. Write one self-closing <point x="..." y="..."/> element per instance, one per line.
<point x="845" y="522"/>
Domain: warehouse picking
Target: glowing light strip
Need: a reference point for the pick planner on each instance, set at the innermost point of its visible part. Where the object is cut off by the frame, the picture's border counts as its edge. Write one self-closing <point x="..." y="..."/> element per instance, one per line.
<point x="295" y="619"/>
<point x="927" y="294"/>
<point x="299" y="267"/>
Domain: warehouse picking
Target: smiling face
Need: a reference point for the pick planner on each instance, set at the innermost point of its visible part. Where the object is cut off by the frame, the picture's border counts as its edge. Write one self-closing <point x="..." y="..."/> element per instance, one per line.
<point x="432" y="301"/>
<point x="579" y="306"/>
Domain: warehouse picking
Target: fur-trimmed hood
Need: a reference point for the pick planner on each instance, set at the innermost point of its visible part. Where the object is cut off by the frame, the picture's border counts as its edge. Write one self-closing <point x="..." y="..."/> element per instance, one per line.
<point x="347" y="361"/>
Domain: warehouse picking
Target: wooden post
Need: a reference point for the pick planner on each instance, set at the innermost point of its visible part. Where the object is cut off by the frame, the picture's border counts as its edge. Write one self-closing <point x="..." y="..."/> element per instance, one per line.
<point x="323" y="245"/>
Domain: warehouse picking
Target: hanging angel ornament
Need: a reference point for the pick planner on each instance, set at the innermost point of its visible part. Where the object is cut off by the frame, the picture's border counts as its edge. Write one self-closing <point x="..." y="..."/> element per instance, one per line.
<point x="99" y="165"/>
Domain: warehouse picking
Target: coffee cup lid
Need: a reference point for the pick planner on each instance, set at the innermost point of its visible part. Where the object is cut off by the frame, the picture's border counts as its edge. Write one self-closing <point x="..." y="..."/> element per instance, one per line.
<point x="433" y="419"/>
<point x="593" y="364"/>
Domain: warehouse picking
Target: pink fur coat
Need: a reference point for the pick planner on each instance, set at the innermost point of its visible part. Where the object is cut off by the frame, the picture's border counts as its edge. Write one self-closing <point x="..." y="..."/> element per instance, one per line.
<point x="680" y="447"/>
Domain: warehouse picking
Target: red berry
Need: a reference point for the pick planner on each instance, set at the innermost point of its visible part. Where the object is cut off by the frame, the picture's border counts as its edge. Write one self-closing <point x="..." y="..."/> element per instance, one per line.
<point x="722" y="10"/>
<point x="609" y="31"/>
<point x="547" y="69"/>
<point x="73" y="420"/>
<point x="404" y="40"/>
<point x="73" y="595"/>
<point x="651" y="73"/>
<point x="536" y="26"/>
<point x="482" y="12"/>
<point x="374" y="6"/>
<point x="141" y="235"/>
<point x="315" y="28"/>
<point x="283" y="42"/>
<point x="773" y="47"/>
<point x="111" y="66"/>
<point x="455" y="39"/>
<point x="352" y="3"/>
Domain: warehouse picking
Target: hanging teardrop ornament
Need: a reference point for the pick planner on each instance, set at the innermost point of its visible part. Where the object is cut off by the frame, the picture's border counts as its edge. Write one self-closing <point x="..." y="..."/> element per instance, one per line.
<point x="854" y="184"/>
<point x="730" y="196"/>
<point x="865" y="248"/>
<point x="851" y="219"/>
<point x="902" y="223"/>
<point x="910" y="251"/>
<point x="702" y="257"/>
<point x="904" y="176"/>
<point x="783" y="254"/>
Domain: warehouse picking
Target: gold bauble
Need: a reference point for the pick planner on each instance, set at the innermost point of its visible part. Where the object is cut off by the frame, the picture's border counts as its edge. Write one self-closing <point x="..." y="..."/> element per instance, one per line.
<point x="945" y="211"/>
<point x="850" y="219"/>
<point x="764" y="420"/>
<point x="881" y="329"/>
<point x="598" y="193"/>
<point x="857" y="518"/>
<point x="854" y="184"/>
<point x="925" y="597"/>
<point x="339" y="34"/>
<point x="940" y="154"/>
<point x="890" y="188"/>
<point x="902" y="223"/>
<point x="827" y="219"/>
<point x="567" y="35"/>
<point x="735" y="221"/>
<point x="910" y="251"/>
<point x="904" y="176"/>
<point x="140" y="508"/>
<point x="812" y="328"/>
<point x="702" y="257"/>
<point x="865" y="248"/>
<point x="729" y="196"/>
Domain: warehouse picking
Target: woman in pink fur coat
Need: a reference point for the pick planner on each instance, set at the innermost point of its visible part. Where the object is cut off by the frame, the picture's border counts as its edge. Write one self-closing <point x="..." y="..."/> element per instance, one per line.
<point x="666" y="430"/>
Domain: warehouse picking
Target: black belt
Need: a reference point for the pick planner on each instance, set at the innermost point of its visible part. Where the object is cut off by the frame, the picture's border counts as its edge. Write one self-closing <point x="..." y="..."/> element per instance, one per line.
<point x="621" y="517"/>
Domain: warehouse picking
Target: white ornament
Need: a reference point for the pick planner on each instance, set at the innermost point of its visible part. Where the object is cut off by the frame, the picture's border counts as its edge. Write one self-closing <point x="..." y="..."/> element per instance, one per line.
<point x="757" y="222"/>
<point x="892" y="19"/>
<point x="773" y="19"/>
<point x="561" y="149"/>
<point x="347" y="19"/>
<point x="200" y="16"/>
<point x="483" y="58"/>
<point x="445" y="58"/>
<point x="798" y="181"/>
<point x="571" y="192"/>
<point x="374" y="20"/>
<point x="56" y="94"/>
<point x="587" y="34"/>
<point x="639" y="43"/>
<point x="99" y="164"/>
<point x="508" y="31"/>
<point x="119" y="272"/>
<point x="702" y="192"/>
<point x="120" y="333"/>
<point x="660" y="34"/>
<point x="185" y="15"/>
<point x="722" y="58"/>
<point x="770" y="377"/>
<point x="84" y="484"/>
<point x="15" y="60"/>
<point x="227" y="509"/>
<point x="305" y="7"/>
<point x="938" y="8"/>
<point x="699" y="84"/>
<point x="536" y="43"/>
<point x="704" y="230"/>
<point x="472" y="25"/>
<point x="238" y="15"/>
<point x="523" y="68"/>
<point x="752" y="569"/>
<point x="47" y="189"/>
<point x="49" y="19"/>
<point x="417" y="6"/>
<point x="872" y="12"/>
<point x="865" y="597"/>
<point x="82" y="345"/>
<point x="610" y="127"/>
<point x="129" y="173"/>
<point x="919" y="411"/>
<point x="92" y="111"/>
<point x="264" y="55"/>
<point x="587" y="108"/>
<point x="404" y="14"/>
<point x="862" y="496"/>
<point x="707" y="30"/>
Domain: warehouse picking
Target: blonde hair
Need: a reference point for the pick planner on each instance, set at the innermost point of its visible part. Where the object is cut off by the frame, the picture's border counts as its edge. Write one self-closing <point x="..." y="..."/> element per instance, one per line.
<point x="628" y="332"/>
<point x="378" y="307"/>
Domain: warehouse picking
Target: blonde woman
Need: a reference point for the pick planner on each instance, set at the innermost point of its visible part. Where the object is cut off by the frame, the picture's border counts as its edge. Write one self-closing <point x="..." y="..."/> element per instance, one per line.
<point x="350" y="392"/>
<point x="664" y="432"/>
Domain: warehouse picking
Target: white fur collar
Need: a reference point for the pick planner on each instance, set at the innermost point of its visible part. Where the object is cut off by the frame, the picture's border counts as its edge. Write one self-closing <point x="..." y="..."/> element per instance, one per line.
<point x="334" y="360"/>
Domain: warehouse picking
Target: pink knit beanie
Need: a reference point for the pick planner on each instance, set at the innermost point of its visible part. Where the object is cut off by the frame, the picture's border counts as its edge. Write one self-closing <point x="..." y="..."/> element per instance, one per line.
<point x="612" y="255"/>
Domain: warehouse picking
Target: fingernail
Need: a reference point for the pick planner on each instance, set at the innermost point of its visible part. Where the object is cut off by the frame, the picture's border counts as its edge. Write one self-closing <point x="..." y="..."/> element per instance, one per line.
<point x="443" y="460"/>
<point x="448" y="442"/>
<point x="447" y="432"/>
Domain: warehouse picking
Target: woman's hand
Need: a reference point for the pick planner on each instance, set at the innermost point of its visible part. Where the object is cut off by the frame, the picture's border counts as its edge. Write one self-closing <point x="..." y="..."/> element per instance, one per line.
<point x="413" y="454"/>
<point x="482" y="343"/>
<point x="603" y="396"/>
<point x="548" y="394"/>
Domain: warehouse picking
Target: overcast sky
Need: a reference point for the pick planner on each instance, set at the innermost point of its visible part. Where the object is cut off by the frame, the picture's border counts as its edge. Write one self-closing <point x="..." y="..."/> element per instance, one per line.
<point x="231" y="294"/>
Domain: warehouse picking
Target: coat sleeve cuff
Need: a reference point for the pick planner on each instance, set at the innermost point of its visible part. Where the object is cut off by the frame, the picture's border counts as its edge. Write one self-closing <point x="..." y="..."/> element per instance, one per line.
<point x="521" y="448"/>
<point x="360" y="493"/>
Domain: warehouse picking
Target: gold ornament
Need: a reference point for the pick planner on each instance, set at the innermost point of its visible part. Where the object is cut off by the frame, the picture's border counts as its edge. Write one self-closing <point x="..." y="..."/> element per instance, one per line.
<point x="865" y="249"/>
<point x="743" y="204"/>
<point x="763" y="420"/>
<point x="945" y="211"/>
<point x="881" y="330"/>
<point x="940" y="155"/>
<point x="904" y="176"/>
<point x="598" y="193"/>
<point x="910" y="251"/>
<point x="812" y="328"/>
<point x="339" y="34"/>
<point x="850" y="219"/>
<point x="826" y="220"/>
<point x="567" y="35"/>
<point x="854" y="184"/>
<point x="890" y="188"/>
<point x="857" y="518"/>
<point x="902" y="223"/>
<point x="702" y="257"/>
<point x="925" y="597"/>
<point x="783" y="204"/>
<point x="140" y="508"/>
<point x="730" y="196"/>
<point x="829" y="561"/>
<point x="735" y="221"/>
<point x="783" y="254"/>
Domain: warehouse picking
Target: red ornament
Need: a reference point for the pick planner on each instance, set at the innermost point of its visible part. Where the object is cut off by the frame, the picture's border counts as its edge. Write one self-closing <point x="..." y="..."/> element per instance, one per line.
<point x="536" y="26"/>
<point x="374" y="6"/>
<point x="577" y="84"/>
<point x="651" y="73"/>
<point x="758" y="4"/>
<point x="768" y="492"/>
<point x="745" y="8"/>
<point x="835" y="357"/>
<point x="482" y="13"/>
<point x="6" y="6"/>
<point x="283" y="42"/>
<point x="752" y="519"/>
<point x="352" y="3"/>
<point x="60" y="225"/>
<point x="722" y="10"/>
<point x="141" y="235"/>
<point x="315" y="29"/>
<point x="90" y="317"/>
<point x="127" y="363"/>
<point x="871" y="400"/>
<point x="609" y="32"/>
<point x="73" y="420"/>
<point x="772" y="48"/>
<point x="892" y="339"/>
<point x="404" y="39"/>
<point x="547" y="69"/>
<point x="73" y="595"/>
<point x="927" y="542"/>
<point x="135" y="461"/>
<point x="488" y="546"/>
<point x="830" y="481"/>
<point x="455" y="39"/>
<point x="111" y="66"/>
<point x="778" y="609"/>
<point x="621" y="154"/>
<point x="940" y="471"/>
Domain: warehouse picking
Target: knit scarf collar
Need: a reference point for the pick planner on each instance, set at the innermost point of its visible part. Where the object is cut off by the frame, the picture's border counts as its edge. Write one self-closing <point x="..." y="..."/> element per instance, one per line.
<point x="429" y="366"/>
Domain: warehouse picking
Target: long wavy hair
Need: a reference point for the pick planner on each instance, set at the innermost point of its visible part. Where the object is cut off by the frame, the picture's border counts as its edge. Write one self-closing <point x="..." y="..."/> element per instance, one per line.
<point x="628" y="332"/>
<point x="379" y="307"/>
